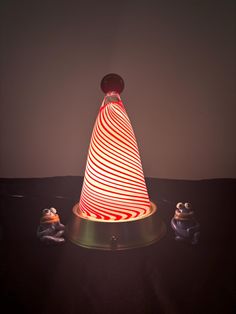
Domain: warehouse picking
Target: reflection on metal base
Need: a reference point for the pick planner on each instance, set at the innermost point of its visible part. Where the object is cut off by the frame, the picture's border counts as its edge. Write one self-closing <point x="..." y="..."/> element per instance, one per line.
<point x="115" y="235"/>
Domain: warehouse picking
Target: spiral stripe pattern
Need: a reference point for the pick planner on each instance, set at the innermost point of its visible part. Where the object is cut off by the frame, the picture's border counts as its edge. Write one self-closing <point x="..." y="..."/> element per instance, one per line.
<point x="114" y="188"/>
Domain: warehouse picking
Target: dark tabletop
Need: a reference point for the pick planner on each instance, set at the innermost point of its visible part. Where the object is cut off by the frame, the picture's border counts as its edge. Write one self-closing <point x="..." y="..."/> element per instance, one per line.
<point x="166" y="277"/>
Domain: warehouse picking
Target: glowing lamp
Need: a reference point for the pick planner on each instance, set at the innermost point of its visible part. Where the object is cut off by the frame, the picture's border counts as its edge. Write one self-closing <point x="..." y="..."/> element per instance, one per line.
<point x="114" y="211"/>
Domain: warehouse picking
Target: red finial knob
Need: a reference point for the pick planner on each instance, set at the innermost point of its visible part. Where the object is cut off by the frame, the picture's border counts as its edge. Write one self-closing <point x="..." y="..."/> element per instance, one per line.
<point x="112" y="83"/>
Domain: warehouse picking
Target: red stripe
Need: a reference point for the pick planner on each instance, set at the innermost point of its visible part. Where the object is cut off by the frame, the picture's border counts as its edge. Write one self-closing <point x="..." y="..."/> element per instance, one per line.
<point x="131" y="203"/>
<point x="118" y="181"/>
<point x="99" y="138"/>
<point x="110" y="153"/>
<point x="109" y="140"/>
<point x="110" y="202"/>
<point x="125" y="135"/>
<point x="101" y="212"/>
<point x="114" y="161"/>
<point x="107" y="210"/>
<point x="137" y="204"/>
<point x="129" y="144"/>
<point x="91" y="152"/>
<point x="108" y="172"/>
<point x="121" y="123"/>
<point x="114" y="187"/>
<point x="121" y="188"/>
<point x="108" y="190"/>
<point x="118" y="139"/>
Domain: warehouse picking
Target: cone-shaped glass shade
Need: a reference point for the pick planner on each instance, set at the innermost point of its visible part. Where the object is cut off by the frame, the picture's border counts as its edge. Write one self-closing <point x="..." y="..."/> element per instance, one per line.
<point x="114" y="188"/>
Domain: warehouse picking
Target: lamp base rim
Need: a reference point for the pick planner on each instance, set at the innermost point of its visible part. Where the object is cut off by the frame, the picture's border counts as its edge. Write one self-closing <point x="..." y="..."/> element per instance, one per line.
<point x="113" y="236"/>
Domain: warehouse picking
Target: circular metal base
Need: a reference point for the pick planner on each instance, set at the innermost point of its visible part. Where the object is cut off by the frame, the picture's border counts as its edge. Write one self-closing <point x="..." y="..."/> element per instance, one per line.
<point x="115" y="235"/>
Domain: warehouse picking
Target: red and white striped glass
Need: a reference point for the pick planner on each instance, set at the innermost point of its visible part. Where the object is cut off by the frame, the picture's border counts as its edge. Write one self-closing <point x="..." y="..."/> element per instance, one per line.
<point x="114" y="188"/>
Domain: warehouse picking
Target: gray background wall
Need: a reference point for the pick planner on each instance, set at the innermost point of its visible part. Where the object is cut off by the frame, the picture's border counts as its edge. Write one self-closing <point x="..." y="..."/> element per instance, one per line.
<point x="178" y="62"/>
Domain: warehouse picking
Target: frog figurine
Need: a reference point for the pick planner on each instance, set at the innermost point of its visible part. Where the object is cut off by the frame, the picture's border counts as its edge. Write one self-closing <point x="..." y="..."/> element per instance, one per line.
<point x="184" y="224"/>
<point x="50" y="229"/>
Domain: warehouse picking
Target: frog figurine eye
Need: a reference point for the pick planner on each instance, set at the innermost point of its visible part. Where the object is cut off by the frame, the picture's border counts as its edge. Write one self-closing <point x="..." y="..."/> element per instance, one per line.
<point x="53" y="210"/>
<point x="180" y="206"/>
<point x="188" y="206"/>
<point x="46" y="211"/>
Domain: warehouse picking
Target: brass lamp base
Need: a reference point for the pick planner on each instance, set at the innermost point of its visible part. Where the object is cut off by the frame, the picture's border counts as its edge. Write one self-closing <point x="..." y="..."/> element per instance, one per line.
<point x="119" y="235"/>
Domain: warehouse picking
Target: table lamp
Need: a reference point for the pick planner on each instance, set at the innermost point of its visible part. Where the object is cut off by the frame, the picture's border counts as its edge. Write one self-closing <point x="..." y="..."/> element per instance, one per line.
<point x="114" y="211"/>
